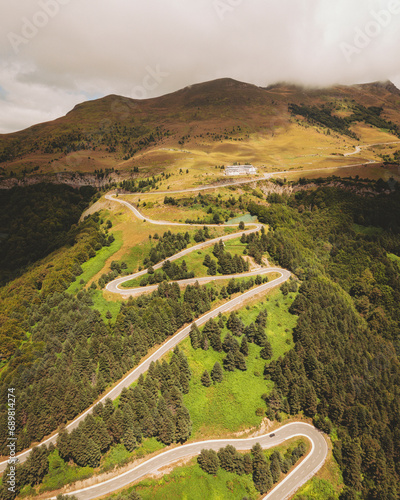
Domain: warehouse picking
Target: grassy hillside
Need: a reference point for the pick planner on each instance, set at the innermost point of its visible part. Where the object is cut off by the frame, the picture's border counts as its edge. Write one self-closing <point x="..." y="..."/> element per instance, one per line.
<point x="205" y="126"/>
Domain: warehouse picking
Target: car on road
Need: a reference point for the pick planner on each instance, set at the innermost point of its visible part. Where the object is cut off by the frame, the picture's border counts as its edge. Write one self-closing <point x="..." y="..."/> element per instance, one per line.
<point x="272" y="435"/>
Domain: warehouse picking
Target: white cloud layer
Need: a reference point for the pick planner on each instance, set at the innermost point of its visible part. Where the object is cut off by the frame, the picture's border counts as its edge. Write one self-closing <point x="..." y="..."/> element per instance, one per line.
<point x="56" y="53"/>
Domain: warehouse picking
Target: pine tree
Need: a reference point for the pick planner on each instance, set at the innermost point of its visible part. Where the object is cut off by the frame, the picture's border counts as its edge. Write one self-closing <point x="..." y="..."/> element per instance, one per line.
<point x="217" y="373"/>
<point x="227" y="344"/>
<point x="129" y="440"/>
<point x="167" y="431"/>
<point x="212" y="268"/>
<point x="229" y="362"/>
<point x="174" y="399"/>
<point x="93" y="455"/>
<point x="247" y="464"/>
<point x="266" y="351"/>
<point x="310" y="401"/>
<point x="275" y="467"/>
<point x="205" y="379"/>
<point x="183" y="425"/>
<point x="108" y="410"/>
<point x="240" y="362"/>
<point x="116" y="425"/>
<point x="101" y="437"/>
<point x="207" y="260"/>
<point x="230" y="460"/>
<point x="260" y="338"/>
<point x="244" y="348"/>
<point x="195" y="336"/>
<point x="37" y="465"/>
<point x="208" y="461"/>
<point x="352" y="461"/>
<point x="184" y="365"/>
<point x="63" y="444"/>
<point x="235" y="324"/>
<point x="261" y="472"/>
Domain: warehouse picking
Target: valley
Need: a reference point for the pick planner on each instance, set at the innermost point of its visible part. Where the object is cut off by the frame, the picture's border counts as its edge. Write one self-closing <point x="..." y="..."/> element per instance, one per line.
<point x="170" y="309"/>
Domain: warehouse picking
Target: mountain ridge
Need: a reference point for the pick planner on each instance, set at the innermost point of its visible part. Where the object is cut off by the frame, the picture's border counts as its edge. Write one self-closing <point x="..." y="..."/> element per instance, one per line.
<point x="114" y="132"/>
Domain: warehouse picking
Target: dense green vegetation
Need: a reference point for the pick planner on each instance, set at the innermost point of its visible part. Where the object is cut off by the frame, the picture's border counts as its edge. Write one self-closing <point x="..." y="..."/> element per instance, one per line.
<point x="73" y="355"/>
<point x="344" y="371"/>
<point x="233" y="478"/>
<point x="36" y="220"/>
<point x="219" y="209"/>
<point x="234" y="400"/>
<point x="53" y="274"/>
<point x="168" y="271"/>
<point x="168" y="245"/>
<point x="154" y="407"/>
<point x="226" y="262"/>
<point x="143" y="185"/>
<point x="265" y="472"/>
<point x="323" y="116"/>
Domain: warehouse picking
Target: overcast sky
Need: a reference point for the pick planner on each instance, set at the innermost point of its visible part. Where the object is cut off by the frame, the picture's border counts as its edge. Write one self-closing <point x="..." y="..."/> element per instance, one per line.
<point x="57" y="53"/>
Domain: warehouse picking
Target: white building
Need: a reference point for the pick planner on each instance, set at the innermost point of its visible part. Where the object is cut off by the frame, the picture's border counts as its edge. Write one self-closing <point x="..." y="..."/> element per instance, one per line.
<point x="240" y="170"/>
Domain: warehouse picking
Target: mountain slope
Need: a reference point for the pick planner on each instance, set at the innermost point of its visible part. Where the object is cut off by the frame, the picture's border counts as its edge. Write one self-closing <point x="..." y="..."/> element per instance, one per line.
<point x="226" y="119"/>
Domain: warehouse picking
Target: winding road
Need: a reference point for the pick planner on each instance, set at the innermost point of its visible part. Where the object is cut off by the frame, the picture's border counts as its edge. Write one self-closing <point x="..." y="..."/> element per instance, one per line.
<point x="268" y="175"/>
<point x="283" y="490"/>
<point x="358" y="149"/>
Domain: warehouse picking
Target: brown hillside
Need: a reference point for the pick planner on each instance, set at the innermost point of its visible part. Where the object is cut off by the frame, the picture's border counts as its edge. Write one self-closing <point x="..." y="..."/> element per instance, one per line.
<point x="224" y="119"/>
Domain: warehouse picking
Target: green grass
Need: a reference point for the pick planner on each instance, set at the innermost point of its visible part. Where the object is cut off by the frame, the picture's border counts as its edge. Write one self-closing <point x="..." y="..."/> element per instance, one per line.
<point x="234" y="246"/>
<point x="61" y="473"/>
<point x="317" y="489"/>
<point x="195" y="259"/>
<point x="148" y="446"/>
<point x="134" y="258"/>
<point x="117" y="455"/>
<point x="191" y="483"/>
<point x="231" y="405"/>
<point x="103" y="306"/>
<point x="247" y="219"/>
<point x="96" y="264"/>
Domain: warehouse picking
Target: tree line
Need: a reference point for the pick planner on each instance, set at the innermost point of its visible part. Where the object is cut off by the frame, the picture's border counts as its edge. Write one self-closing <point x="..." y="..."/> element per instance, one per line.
<point x="344" y="371"/>
<point x="53" y="274"/>
<point x="74" y="355"/>
<point x="265" y="472"/>
<point x="226" y="263"/>
<point x="36" y="220"/>
<point x="234" y="344"/>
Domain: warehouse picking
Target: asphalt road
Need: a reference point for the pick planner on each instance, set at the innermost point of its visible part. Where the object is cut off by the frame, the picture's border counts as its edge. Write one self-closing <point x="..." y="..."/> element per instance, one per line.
<point x="286" y="488"/>
<point x="271" y="174"/>
<point x="179" y="336"/>
<point x="137" y="214"/>
<point x="359" y="148"/>
<point x="114" y="286"/>
<point x="163" y="349"/>
<point x="306" y="469"/>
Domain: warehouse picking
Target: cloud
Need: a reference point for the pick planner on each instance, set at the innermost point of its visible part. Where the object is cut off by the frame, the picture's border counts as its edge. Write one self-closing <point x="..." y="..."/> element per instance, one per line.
<point x="56" y="53"/>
